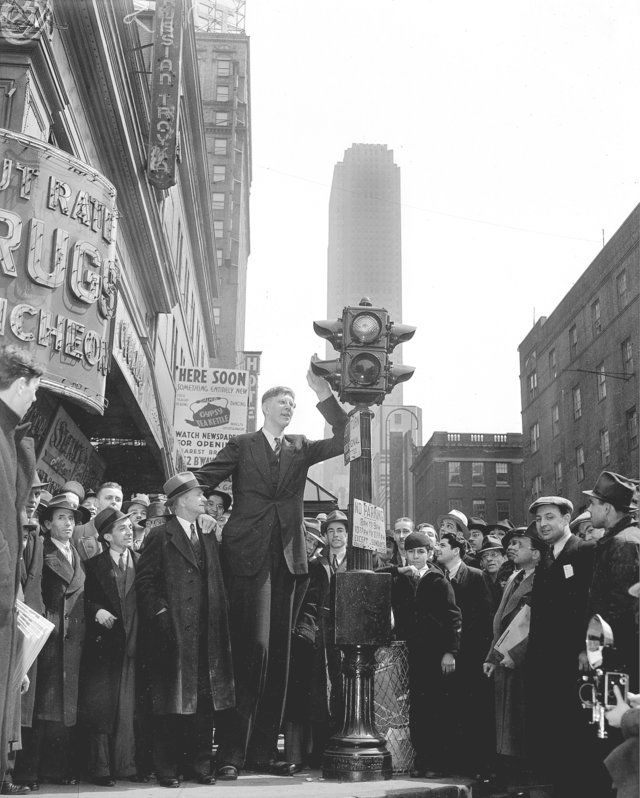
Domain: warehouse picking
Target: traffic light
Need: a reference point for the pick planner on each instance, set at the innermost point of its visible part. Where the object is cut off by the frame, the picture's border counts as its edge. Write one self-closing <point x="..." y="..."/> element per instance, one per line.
<point x="364" y="337"/>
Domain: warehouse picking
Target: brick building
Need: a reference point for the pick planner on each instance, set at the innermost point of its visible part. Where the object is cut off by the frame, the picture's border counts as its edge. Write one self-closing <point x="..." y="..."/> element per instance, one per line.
<point x="478" y="473"/>
<point x="579" y="377"/>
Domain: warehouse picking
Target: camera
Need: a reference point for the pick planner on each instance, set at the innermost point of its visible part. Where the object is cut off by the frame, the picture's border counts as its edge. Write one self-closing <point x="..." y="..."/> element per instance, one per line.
<point x="596" y="691"/>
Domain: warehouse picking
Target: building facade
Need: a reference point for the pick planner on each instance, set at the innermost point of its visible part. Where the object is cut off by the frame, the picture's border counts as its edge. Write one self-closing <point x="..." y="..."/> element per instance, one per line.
<point x="113" y="276"/>
<point x="478" y="473"/>
<point x="223" y="59"/>
<point x="579" y="377"/>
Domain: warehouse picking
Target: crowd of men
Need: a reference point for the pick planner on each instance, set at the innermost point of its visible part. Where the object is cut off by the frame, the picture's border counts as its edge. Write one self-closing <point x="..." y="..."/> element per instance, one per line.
<point x="187" y="612"/>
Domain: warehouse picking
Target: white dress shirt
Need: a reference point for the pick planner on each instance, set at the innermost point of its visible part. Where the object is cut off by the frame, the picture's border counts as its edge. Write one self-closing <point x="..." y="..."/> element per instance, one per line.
<point x="65" y="548"/>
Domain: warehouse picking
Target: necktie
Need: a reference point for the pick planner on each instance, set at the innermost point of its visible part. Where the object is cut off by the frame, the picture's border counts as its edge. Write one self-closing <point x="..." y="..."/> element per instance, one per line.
<point x="517" y="579"/>
<point x="334" y="563"/>
<point x="194" y="536"/>
<point x="121" y="563"/>
<point x="277" y="447"/>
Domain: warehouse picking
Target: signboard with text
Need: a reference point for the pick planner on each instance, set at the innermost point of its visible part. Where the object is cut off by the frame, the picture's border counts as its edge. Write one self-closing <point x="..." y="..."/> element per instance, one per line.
<point x="211" y="407"/>
<point x="368" y="527"/>
<point x="352" y="442"/>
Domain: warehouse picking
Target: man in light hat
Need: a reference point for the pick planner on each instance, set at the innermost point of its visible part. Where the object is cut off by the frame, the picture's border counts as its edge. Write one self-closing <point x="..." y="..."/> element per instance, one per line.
<point x="617" y="559"/>
<point x="182" y="598"/>
<point x="85" y="535"/>
<point x="107" y="678"/>
<point x="455" y="521"/>
<point x="556" y="638"/>
<point x="263" y="549"/>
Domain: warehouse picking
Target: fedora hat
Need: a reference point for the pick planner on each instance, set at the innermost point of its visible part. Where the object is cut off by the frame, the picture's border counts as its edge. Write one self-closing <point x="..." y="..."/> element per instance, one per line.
<point x="458" y="518"/>
<point x="139" y="498"/>
<point x="45" y="498"/>
<point x="334" y="515"/>
<point x="491" y="543"/>
<point x="477" y="523"/>
<point x="614" y="489"/>
<point x="65" y="501"/>
<point x="226" y="499"/>
<point x="37" y="482"/>
<point x="530" y="532"/>
<point x="313" y="527"/>
<point x="71" y="486"/>
<point x="105" y="520"/>
<point x="181" y="483"/>
<point x="555" y="501"/>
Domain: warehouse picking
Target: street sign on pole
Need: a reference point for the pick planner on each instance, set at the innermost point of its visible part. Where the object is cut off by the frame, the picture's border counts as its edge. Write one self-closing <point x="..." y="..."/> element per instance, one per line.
<point x="368" y="527"/>
<point x="353" y="441"/>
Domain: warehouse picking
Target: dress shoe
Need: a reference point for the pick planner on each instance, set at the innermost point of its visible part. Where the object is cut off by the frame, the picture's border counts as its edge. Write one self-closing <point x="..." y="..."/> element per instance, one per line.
<point x="174" y="783"/>
<point x="227" y="773"/>
<point x="274" y="767"/>
<point x="104" y="781"/>
<point x="68" y="781"/>
<point x="205" y="778"/>
<point x="140" y="778"/>
<point x="33" y="786"/>
<point x="8" y="788"/>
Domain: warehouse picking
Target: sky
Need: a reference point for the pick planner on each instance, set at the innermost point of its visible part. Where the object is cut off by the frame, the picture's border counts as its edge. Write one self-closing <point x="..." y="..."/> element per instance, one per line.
<point x="516" y="127"/>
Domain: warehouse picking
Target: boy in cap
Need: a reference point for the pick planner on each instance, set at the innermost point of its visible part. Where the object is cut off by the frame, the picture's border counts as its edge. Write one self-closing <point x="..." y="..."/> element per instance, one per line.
<point x="616" y="561"/>
<point x="429" y="620"/>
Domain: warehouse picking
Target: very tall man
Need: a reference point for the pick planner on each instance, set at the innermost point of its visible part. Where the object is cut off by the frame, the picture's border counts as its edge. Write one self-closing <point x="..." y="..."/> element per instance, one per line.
<point x="263" y="550"/>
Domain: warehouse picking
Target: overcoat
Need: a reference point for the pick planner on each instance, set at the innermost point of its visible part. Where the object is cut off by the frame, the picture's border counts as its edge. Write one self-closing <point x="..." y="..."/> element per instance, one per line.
<point x="59" y="660"/>
<point x="104" y="649"/>
<point x="258" y="504"/>
<point x="85" y="539"/>
<point x="508" y="683"/>
<point x="31" y="580"/>
<point x="168" y="577"/>
<point x="17" y="467"/>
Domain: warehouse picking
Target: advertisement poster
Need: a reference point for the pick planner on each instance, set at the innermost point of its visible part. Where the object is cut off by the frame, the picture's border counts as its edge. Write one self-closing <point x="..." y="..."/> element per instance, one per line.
<point x="211" y="407"/>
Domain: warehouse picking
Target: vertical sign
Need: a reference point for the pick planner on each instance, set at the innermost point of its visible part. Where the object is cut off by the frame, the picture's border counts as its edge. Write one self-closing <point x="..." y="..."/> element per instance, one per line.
<point x="165" y="93"/>
<point x="252" y="365"/>
<point x="352" y="441"/>
<point x="368" y="526"/>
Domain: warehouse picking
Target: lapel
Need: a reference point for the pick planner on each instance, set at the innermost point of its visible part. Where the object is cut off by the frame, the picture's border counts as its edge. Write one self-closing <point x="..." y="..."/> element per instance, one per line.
<point x="461" y="576"/>
<point x="569" y="547"/>
<point x="286" y="458"/>
<point x="55" y="560"/>
<point x="514" y="597"/>
<point x="107" y="578"/>
<point x="178" y="538"/>
<point x="259" y="453"/>
<point x="77" y="580"/>
<point x="131" y="571"/>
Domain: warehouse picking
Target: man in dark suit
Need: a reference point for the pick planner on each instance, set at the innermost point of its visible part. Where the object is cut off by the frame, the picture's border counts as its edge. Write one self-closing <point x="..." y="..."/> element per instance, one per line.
<point x="470" y="732"/>
<point x="556" y="638"/>
<point x="85" y="535"/>
<point x="181" y="596"/>
<point x="263" y="549"/>
<point x="107" y="675"/>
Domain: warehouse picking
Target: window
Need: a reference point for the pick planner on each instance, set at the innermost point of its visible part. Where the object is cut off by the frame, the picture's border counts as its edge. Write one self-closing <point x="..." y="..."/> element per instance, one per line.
<point x="623" y="289"/>
<point x="218" y="229"/>
<point x="455" y="504"/>
<point x="534" y="436"/>
<point x="224" y="68"/>
<point x="577" y="403"/>
<point x="218" y="201"/>
<point x="573" y="340"/>
<point x="397" y="419"/>
<point x="503" y="510"/>
<point x="627" y="357"/>
<point x="553" y="364"/>
<point x="605" y="451"/>
<point x="222" y="94"/>
<point x="219" y="173"/>
<point x="478" y="508"/>
<point x="602" y="382"/>
<point x="219" y="146"/>
<point x="536" y="486"/>
<point x="580" y="463"/>
<point x="477" y="473"/>
<point x="219" y="256"/>
<point x="533" y="384"/>
<point x="455" y="477"/>
<point x="596" y="323"/>
<point x="632" y="427"/>
<point x="502" y="473"/>
<point x="216" y="316"/>
<point x="555" y="421"/>
<point x="221" y="118"/>
<point x="557" y="476"/>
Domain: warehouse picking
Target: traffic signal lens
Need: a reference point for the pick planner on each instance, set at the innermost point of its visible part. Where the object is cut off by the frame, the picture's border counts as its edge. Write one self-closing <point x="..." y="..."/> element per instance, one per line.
<point x="364" y="369"/>
<point x="366" y="328"/>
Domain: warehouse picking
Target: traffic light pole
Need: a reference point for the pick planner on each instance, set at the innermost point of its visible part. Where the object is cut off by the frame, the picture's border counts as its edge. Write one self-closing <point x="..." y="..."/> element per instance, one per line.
<point x="357" y="752"/>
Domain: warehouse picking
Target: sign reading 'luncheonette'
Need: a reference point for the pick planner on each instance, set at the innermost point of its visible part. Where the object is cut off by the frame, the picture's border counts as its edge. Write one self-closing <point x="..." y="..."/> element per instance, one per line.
<point x="58" y="275"/>
<point x="165" y="93"/>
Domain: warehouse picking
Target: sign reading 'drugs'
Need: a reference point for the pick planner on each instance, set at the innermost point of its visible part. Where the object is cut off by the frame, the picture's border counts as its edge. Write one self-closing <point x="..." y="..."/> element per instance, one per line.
<point x="58" y="275"/>
<point x="368" y="527"/>
<point x="211" y="407"/>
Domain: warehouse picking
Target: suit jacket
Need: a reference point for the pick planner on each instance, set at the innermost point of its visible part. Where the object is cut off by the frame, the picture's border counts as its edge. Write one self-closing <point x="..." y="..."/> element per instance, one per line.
<point x="85" y="540"/>
<point x="258" y="504"/>
<point x="105" y="649"/>
<point x="169" y="577"/>
<point x="475" y="602"/>
<point x="31" y="581"/>
<point x="59" y="660"/>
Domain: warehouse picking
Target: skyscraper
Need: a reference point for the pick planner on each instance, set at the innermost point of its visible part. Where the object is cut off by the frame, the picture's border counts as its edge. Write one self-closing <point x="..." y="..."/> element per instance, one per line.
<point x="365" y="259"/>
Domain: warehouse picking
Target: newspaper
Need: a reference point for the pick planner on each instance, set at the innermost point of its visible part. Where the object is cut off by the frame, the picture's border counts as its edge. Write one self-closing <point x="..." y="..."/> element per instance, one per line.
<point x="33" y="632"/>
<point x="516" y="632"/>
